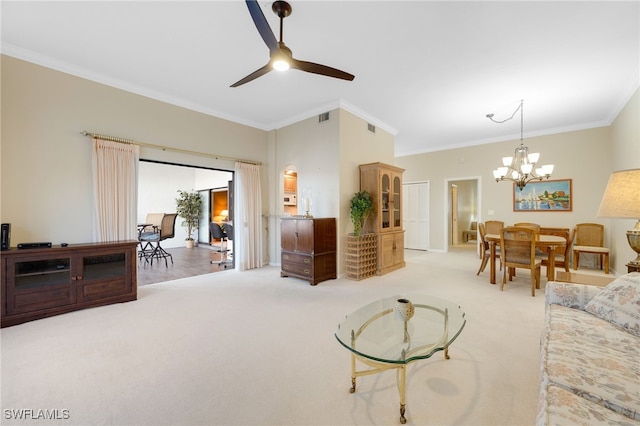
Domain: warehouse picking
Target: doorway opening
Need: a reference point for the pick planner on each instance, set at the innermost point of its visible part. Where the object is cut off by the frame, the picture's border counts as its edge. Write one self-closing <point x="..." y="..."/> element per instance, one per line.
<point x="462" y="212"/>
<point x="158" y="186"/>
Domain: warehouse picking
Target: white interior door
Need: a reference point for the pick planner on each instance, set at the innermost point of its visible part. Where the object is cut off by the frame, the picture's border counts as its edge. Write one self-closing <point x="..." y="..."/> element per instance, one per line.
<point x="415" y="211"/>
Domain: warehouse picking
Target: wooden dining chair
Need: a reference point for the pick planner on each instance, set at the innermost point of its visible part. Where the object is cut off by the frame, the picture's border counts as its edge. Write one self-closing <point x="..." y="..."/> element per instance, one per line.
<point x="562" y="254"/>
<point x="527" y="225"/>
<point x="485" y="253"/>
<point x="493" y="226"/>
<point x="589" y="238"/>
<point x="518" y="250"/>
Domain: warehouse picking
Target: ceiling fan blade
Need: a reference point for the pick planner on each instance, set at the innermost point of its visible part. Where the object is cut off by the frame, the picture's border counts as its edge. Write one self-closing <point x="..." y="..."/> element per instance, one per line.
<point x="262" y="25"/>
<point x="257" y="73"/>
<point x="321" y="69"/>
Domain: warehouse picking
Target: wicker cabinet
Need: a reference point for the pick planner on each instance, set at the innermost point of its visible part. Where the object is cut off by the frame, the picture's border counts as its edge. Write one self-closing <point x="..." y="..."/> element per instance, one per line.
<point x="38" y="283"/>
<point x="308" y="249"/>
<point x="384" y="183"/>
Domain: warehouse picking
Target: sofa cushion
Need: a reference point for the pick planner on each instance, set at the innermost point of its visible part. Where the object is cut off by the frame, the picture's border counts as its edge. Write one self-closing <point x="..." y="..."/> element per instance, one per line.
<point x="561" y="407"/>
<point x="619" y="303"/>
<point x="588" y="356"/>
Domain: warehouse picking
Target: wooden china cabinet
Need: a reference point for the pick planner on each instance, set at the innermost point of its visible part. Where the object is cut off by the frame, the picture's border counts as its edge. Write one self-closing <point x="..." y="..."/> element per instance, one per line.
<point x="384" y="183"/>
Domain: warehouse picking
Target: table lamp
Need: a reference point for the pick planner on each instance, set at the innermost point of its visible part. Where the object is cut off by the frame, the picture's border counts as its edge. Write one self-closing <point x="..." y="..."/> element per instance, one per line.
<point x="621" y="199"/>
<point x="225" y="214"/>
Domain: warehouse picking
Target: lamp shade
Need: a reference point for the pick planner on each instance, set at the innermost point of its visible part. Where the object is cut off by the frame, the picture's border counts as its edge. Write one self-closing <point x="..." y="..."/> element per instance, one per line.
<point x="621" y="198"/>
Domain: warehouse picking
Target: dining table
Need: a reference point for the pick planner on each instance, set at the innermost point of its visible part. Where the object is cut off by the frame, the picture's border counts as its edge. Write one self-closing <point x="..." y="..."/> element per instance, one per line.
<point x="546" y="243"/>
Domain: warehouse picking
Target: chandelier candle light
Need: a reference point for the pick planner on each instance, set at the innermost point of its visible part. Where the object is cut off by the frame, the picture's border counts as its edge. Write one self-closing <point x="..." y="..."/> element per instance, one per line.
<point x="521" y="168"/>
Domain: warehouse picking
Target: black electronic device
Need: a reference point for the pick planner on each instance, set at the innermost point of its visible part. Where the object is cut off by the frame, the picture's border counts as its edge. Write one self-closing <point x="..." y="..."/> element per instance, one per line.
<point x="5" y="236"/>
<point x="33" y="245"/>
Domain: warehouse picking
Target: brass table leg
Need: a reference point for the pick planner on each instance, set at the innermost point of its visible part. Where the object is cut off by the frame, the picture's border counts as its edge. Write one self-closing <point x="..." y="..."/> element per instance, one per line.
<point x="379" y="367"/>
<point x="401" y="378"/>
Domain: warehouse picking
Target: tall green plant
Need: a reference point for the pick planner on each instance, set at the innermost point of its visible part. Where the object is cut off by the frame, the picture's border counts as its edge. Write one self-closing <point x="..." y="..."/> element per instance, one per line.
<point x="189" y="205"/>
<point x="361" y="207"/>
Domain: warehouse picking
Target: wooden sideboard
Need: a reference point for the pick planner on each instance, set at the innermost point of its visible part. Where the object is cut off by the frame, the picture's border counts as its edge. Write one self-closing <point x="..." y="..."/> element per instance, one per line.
<point x="39" y="283"/>
<point x="308" y="249"/>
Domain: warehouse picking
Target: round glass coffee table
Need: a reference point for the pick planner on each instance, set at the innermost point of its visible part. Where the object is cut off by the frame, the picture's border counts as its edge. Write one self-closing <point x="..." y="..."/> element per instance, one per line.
<point x="378" y="337"/>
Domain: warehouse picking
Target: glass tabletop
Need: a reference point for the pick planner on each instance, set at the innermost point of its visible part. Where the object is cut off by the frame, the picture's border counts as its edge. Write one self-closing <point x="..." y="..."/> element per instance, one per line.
<point x="376" y="331"/>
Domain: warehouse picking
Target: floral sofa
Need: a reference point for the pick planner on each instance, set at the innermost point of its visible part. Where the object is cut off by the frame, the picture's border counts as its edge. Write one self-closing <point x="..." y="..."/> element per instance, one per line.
<point x="590" y="354"/>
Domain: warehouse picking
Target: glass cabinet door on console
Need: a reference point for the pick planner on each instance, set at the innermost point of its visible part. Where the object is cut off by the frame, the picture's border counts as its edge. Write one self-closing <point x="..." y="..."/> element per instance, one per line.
<point x="38" y="283"/>
<point x="104" y="275"/>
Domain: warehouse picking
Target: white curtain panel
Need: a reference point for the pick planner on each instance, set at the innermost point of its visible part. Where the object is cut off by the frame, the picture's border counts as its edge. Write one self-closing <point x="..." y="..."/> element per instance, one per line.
<point x="115" y="182"/>
<point x="247" y="239"/>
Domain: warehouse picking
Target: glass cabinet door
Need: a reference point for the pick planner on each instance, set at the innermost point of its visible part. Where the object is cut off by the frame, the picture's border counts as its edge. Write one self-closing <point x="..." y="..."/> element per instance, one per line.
<point x="32" y="274"/>
<point x="39" y="284"/>
<point x="104" y="266"/>
<point x="385" y="193"/>
<point x="397" y="202"/>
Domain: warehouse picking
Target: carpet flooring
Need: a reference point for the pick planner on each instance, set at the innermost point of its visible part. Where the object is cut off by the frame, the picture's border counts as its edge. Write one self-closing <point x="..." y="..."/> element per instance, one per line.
<point x="252" y="348"/>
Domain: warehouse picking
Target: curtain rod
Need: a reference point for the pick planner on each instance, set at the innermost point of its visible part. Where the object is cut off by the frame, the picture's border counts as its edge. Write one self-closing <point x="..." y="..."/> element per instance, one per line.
<point x="165" y="148"/>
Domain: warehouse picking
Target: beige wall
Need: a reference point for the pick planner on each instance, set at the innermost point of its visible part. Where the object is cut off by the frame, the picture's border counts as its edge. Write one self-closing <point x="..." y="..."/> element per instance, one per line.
<point x="310" y="148"/>
<point x="583" y="156"/>
<point x="46" y="177"/>
<point x="357" y="146"/>
<point x="326" y="156"/>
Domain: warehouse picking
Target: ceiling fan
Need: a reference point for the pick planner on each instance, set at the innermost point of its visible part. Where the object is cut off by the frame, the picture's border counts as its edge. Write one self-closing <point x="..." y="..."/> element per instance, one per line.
<point x="281" y="57"/>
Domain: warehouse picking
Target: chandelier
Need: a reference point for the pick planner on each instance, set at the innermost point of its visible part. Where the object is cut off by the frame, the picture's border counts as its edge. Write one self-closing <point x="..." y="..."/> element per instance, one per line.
<point x="521" y="168"/>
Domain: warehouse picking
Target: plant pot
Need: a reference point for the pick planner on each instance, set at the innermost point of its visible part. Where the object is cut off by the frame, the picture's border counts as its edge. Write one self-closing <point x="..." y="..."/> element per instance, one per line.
<point x="189" y="243"/>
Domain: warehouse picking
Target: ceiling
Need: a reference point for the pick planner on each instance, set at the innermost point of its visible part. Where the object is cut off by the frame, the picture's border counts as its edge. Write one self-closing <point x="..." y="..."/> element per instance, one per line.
<point x="428" y="72"/>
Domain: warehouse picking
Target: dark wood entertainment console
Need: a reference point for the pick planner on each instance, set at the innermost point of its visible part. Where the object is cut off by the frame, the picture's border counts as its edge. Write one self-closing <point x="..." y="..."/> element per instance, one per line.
<point x="39" y="283"/>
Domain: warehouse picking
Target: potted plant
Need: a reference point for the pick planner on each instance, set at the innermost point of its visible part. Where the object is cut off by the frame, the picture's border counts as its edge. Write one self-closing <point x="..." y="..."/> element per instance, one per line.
<point x="361" y="248"/>
<point x="361" y="206"/>
<point x="189" y="205"/>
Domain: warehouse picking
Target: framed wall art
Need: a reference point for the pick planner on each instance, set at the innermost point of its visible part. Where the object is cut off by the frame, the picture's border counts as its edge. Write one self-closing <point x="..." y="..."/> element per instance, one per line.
<point x="543" y="196"/>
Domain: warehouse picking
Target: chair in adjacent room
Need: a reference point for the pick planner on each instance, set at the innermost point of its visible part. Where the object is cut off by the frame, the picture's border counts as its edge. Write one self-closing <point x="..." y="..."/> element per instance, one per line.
<point x="228" y="229"/>
<point x="166" y="230"/>
<point x="589" y="238"/>
<point x="223" y="235"/>
<point x="151" y="226"/>
<point x="471" y="233"/>
<point x="518" y="250"/>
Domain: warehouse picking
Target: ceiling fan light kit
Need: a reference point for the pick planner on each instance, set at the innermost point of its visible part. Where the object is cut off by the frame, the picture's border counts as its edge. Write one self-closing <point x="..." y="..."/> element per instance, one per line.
<point x="280" y="56"/>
